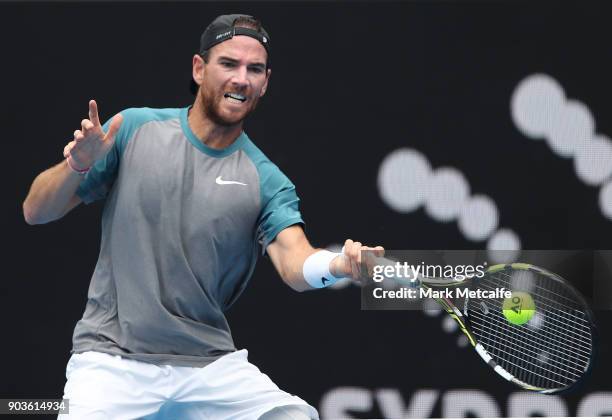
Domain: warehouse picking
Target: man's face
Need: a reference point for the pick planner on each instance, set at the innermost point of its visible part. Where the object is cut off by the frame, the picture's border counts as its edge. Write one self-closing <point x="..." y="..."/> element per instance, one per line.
<point x="233" y="80"/>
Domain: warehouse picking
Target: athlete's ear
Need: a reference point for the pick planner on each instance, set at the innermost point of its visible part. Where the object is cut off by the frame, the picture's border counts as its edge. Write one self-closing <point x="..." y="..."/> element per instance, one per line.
<point x="198" y="69"/>
<point x="262" y="92"/>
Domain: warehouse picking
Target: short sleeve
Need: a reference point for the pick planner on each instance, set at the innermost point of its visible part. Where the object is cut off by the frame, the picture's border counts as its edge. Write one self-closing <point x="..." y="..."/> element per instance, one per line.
<point x="100" y="178"/>
<point x="280" y="204"/>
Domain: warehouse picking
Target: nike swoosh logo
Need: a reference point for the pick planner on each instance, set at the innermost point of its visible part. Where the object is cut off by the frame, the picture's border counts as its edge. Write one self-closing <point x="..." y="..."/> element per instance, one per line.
<point x="222" y="182"/>
<point x="324" y="280"/>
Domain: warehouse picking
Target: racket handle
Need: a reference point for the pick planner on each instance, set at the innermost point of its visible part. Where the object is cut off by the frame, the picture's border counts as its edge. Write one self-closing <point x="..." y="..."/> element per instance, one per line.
<point x="409" y="280"/>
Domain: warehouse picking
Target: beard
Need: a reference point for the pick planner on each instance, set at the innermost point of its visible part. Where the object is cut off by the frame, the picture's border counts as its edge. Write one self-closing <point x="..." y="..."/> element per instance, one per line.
<point x="211" y="105"/>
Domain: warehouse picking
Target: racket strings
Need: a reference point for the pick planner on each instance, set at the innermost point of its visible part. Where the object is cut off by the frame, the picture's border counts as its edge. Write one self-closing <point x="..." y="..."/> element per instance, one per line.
<point x="515" y="345"/>
<point x="547" y="350"/>
<point x="542" y="298"/>
<point x="537" y="373"/>
<point x="550" y="333"/>
<point x="547" y="332"/>
<point x="551" y="311"/>
<point x="524" y="366"/>
<point x="550" y="353"/>
<point x="532" y="351"/>
<point x="556" y="303"/>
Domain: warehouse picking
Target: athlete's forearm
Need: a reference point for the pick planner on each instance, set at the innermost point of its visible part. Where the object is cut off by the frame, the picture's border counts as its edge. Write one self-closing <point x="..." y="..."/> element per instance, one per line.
<point x="292" y="269"/>
<point x="288" y="252"/>
<point x="303" y="267"/>
<point x="51" y="195"/>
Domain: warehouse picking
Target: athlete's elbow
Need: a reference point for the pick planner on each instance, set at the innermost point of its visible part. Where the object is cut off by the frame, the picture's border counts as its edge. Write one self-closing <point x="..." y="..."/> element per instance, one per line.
<point x="30" y="215"/>
<point x="297" y="284"/>
<point x="33" y="215"/>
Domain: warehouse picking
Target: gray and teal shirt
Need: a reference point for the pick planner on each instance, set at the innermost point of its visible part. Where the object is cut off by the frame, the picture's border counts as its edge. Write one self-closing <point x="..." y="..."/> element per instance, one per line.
<point x="182" y="228"/>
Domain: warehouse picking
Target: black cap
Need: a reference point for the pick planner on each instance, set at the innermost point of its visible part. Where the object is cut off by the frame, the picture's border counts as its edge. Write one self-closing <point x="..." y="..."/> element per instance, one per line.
<point x="222" y="29"/>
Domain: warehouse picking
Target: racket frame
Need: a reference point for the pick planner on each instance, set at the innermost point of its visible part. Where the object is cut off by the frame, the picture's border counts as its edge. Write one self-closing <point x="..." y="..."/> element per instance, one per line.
<point x="462" y="319"/>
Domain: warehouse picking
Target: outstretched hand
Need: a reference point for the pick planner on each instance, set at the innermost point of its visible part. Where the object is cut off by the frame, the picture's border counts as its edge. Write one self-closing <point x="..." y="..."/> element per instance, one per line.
<point x="91" y="143"/>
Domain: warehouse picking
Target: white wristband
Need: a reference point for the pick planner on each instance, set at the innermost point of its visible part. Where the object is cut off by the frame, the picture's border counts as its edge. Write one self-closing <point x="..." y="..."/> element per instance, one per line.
<point x="316" y="269"/>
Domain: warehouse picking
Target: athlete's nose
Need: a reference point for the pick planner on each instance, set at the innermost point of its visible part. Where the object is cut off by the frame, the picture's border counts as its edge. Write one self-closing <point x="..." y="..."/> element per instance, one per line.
<point x="240" y="77"/>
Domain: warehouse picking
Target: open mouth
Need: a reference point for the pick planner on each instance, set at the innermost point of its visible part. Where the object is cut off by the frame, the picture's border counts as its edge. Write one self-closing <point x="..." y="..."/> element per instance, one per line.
<point x="235" y="97"/>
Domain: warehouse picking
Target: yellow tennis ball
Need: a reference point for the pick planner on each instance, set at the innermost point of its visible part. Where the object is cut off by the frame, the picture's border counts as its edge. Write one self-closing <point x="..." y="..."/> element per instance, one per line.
<point x="519" y="308"/>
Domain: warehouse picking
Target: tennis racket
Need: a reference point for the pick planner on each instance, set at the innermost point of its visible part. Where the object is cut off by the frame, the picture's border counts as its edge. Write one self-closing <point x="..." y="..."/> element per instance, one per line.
<point x="540" y="335"/>
<point x="541" y="338"/>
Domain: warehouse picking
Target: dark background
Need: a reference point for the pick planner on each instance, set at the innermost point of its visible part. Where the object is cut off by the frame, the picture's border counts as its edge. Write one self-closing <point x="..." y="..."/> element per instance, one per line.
<point x="351" y="82"/>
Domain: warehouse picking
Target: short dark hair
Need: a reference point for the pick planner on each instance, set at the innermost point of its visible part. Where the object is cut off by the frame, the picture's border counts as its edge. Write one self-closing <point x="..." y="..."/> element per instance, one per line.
<point x="249" y="22"/>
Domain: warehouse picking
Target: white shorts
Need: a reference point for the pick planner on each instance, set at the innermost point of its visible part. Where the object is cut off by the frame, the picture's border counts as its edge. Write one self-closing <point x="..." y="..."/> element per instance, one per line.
<point x="102" y="386"/>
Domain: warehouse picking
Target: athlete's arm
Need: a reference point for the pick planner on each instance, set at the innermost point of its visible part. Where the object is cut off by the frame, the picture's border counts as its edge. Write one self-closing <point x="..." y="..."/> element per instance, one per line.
<point x="52" y="195"/>
<point x="291" y="248"/>
<point x="53" y="192"/>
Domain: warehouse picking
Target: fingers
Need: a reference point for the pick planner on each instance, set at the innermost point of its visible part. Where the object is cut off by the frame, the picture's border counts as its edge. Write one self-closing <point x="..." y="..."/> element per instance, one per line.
<point x="68" y="148"/>
<point x="92" y="125"/>
<point x="357" y="252"/>
<point x="78" y="135"/>
<point x="86" y="127"/>
<point x="354" y="253"/>
<point x="89" y="142"/>
<point x="352" y="250"/>
<point x="371" y="258"/>
<point x="114" y="127"/>
<point x="379" y="251"/>
<point x="93" y="112"/>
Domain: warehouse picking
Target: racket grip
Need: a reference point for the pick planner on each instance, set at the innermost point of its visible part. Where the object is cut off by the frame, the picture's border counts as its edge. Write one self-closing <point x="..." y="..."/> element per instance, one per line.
<point x="411" y="280"/>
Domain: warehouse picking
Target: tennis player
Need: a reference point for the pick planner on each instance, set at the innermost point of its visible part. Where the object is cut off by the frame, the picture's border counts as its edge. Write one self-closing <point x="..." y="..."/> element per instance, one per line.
<point x="191" y="203"/>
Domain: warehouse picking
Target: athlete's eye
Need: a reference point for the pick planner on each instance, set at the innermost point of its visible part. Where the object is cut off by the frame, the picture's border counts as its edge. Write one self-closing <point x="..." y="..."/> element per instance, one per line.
<point x="256" y="69"/>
